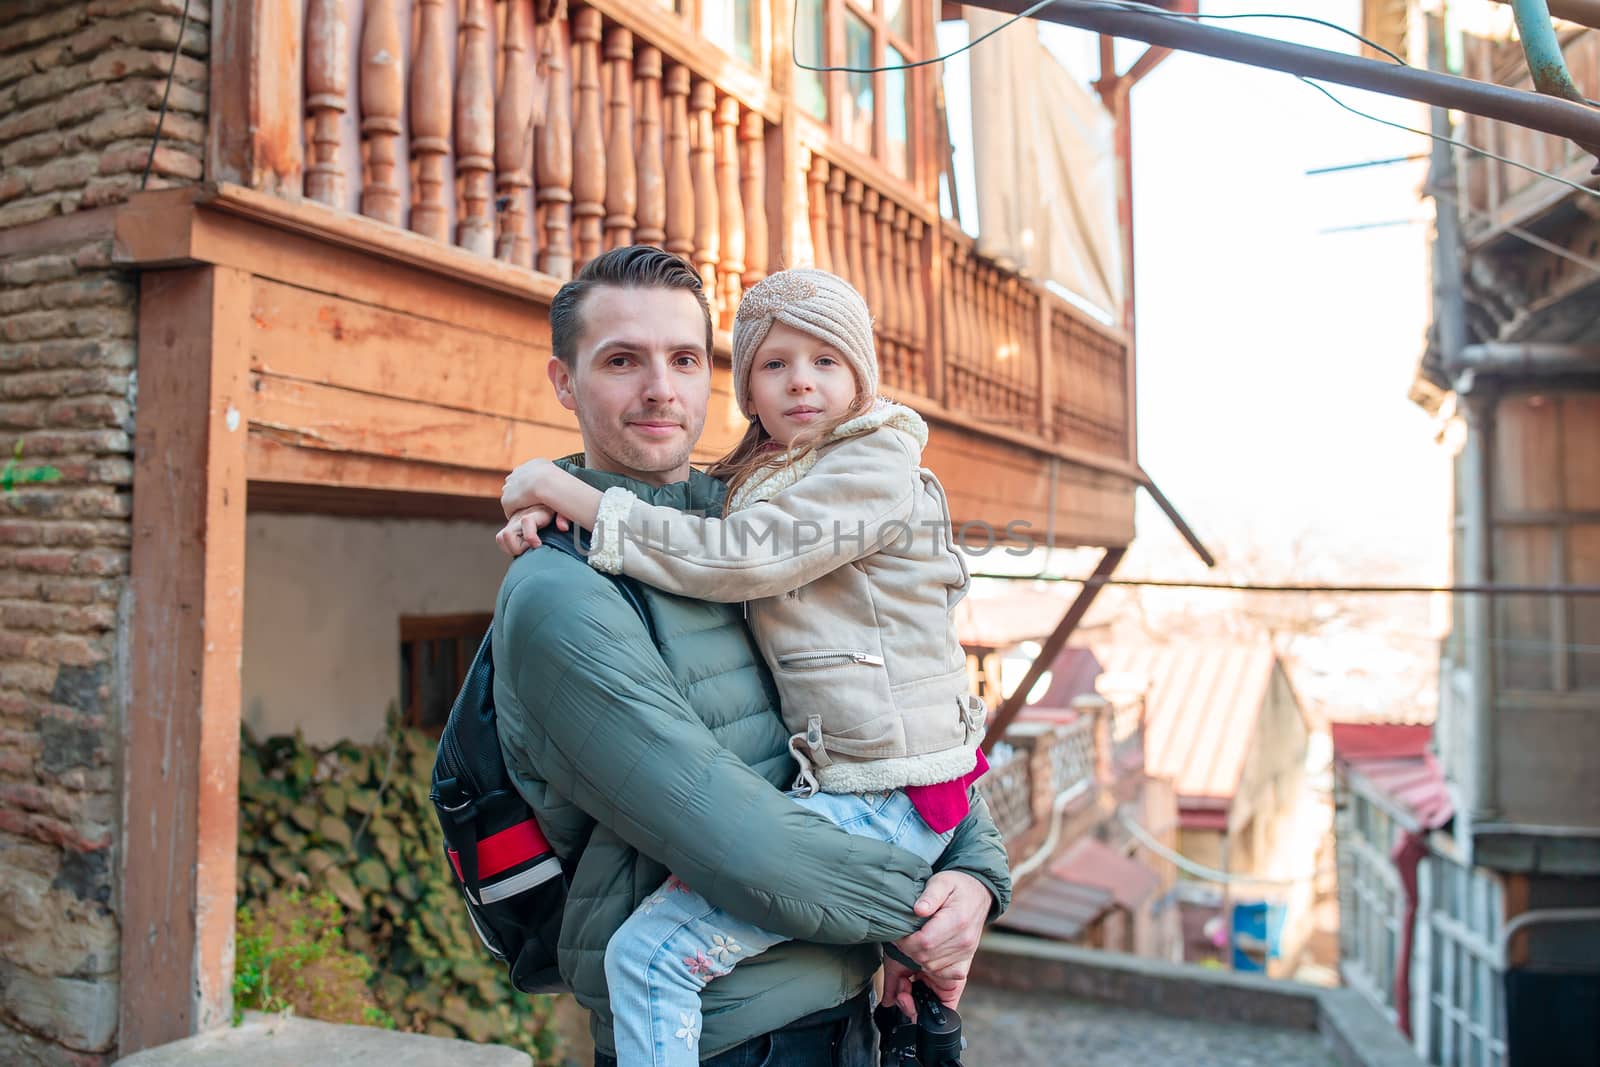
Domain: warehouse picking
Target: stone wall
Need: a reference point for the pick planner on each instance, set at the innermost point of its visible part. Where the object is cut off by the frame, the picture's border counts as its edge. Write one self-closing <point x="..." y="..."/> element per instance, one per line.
<point x="80" y="85"/>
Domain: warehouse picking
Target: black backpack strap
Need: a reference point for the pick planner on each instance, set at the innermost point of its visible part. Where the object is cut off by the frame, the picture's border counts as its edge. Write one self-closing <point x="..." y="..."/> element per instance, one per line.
<point x="572" y="543"/>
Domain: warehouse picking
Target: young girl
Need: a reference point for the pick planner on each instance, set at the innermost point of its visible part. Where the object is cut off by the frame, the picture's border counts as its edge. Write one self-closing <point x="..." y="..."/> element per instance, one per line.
<point x="839" y="542"/>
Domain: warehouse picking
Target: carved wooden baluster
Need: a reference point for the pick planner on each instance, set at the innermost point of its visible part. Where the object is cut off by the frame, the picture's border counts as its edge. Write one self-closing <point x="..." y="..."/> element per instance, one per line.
<point x="327" y="79"/>
<point x="731" y="216"/>
<point x="622" y="177"/>
<point x="702" y="162"/>
<point x="817" y="202"/>
<point x="513" y="135"/>
<point x="902" y="295"/>
<point x="853" y="191"/>
<point x="383" y="90"/>
<point x="588" y="137"/>
<point x="430" y="121"/>
<point x="916" y="300"/>
<point x="837" y="247"/>
<point x="652" y="190"/>
<point x="871" y="283"/>
<point x="753" y="183"/>
<point x="893" y="324"/>
<point x="554" y="158"/>
<point x="475" y="130"/>
<point x="680" y="183"/>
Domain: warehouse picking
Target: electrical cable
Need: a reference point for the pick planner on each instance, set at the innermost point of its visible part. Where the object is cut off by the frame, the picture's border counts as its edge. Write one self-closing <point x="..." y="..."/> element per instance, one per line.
<point x="1452" y="141"/>
<point x="161" y="116"/>
<point x="1150" y="10"/>
<point x="1265" y="587"/>
<point x="1125" y="5"/>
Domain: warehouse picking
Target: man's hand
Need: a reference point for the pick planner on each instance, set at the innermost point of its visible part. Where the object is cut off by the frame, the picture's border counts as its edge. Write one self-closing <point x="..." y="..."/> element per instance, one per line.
<point x="957" y="905"/>
<point x="522" y="532"/>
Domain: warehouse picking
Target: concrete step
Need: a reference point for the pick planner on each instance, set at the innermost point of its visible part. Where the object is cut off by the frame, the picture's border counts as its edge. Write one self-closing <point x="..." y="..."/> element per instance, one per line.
<point x="286" y="1041"/>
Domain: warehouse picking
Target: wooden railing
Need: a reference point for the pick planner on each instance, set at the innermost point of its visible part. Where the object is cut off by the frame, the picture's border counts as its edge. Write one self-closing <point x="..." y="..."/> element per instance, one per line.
<point x="541" y="133"/>
<point x="1494" y="193"/>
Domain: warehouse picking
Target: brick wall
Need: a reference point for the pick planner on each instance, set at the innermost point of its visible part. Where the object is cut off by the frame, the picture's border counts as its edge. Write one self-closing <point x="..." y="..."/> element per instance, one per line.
<point x="80" y="84"/>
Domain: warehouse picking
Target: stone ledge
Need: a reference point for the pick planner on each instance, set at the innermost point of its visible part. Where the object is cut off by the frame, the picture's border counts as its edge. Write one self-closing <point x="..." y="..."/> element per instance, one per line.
<point x="1357" y="1035"/>
<point x="285" y="1041"/>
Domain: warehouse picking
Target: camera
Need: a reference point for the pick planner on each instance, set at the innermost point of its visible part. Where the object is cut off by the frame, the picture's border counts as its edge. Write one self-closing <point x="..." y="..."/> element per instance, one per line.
<point x="933" y="1039"/>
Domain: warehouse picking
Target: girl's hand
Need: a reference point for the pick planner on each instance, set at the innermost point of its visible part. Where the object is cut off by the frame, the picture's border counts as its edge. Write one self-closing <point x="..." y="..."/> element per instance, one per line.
<point x="522" y="532"/>
<point x="525" y="487"/>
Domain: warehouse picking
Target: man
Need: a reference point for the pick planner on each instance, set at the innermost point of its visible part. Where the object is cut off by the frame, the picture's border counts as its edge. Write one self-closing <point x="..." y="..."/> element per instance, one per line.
<point x="645" y="749"/>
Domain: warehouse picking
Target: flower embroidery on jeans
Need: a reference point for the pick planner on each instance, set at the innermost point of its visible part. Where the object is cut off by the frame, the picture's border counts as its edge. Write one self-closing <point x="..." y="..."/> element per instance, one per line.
<point x="724" y="947"/>
<point x="698" y="964"/>
<point x="689" y="1032"/>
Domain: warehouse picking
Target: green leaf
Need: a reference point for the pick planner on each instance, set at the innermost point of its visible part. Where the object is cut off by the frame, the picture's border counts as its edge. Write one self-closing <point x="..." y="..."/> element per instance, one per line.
<point x="334" y="830"/>
<point x="304" y="816"/>
<point x="334" y="799"/>
<point x="371" y="874"/>
<point x="339" y="883"/>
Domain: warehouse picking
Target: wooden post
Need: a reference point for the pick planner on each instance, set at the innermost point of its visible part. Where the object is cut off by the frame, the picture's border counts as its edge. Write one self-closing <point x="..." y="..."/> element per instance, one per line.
<point x="553" y="162"/>
<point x="852" y="234"/>
<point x="588" y="137"/>
<point x="513" y="135"/>
<point x="185" y="629"/>
<point x="383" y="88"/>
<point x="838" y="248"/>
<point x="257" y="121"/>
<point x="474" y="125"/>
<point x="929" y="297"/>
<point x="871" y="283"/>
<point x="430" y="122"/>
<point x="622" y="176"/>
<point x="327" y="81"/>
<point x="1047" y="368"/>
<point x="652" y="190"/>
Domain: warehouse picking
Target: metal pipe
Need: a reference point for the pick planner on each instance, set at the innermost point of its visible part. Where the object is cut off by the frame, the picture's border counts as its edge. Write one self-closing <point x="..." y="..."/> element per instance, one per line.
<point x="1563" y="118"/>
<point x="1583" y="12"/>
<point x="1531" y="357"/>
<point x="1543" y="52"/>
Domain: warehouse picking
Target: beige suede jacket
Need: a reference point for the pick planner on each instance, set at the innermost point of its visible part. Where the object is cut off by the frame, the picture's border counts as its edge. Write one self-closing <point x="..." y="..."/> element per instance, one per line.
<point x="847" y="564"/>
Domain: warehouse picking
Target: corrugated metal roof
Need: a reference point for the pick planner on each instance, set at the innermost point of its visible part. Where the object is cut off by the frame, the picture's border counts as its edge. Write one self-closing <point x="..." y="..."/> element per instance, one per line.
<point x="1394" y="761"/>
<point x="1091" y="863"/>
<point x="1200" y="709"/>
<point x="1048" y="907"/>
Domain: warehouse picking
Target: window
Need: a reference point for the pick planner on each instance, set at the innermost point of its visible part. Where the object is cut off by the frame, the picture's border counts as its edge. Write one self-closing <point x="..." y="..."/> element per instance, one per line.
<point x="731" y="26"/>
<point x="435" y="652"/>
<point x="872" y="113"/>
<point x="1546" y="521"/>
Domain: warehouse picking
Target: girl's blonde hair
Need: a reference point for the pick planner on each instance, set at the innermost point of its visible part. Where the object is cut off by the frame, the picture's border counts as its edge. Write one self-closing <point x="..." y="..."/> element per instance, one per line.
<point x="754" y="452"/>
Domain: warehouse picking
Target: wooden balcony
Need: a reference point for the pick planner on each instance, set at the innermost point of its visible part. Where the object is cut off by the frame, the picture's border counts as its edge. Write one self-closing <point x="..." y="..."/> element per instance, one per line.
<point x="399" y="187"/>
<point x="1495" y="195"/>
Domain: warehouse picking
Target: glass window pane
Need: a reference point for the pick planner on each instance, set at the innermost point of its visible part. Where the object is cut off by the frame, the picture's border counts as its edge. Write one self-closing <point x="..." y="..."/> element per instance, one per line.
<point x="810" y="47"/>
<point x="897" y="128"/>
<point x="855" y="119"/>
<point x="1583" y="568"/>
<point x="898" y="12"/>
<point x="1523" y="630"/>
<point x="730" y="25"/>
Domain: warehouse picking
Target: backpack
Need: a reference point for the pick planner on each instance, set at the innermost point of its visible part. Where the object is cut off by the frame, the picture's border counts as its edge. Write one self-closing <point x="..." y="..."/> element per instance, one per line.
<point x="514" y="885"/>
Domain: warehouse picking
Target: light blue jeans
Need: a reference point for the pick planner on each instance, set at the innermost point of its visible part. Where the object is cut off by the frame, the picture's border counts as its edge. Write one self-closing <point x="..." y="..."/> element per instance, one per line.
<point x="676" y="942"/>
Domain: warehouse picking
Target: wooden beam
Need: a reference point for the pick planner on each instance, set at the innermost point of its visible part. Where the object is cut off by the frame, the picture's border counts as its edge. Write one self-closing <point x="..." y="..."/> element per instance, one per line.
<point x="181" y="757"/>
<point x="1053" y="645"/>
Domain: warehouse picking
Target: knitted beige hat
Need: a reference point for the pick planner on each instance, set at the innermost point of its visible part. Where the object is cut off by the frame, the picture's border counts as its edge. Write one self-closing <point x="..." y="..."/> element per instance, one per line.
<point x="815" y="302"/>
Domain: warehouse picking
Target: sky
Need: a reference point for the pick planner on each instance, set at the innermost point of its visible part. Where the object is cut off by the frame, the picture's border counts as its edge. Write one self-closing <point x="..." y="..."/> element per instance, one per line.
<point x="1273" y="357"/>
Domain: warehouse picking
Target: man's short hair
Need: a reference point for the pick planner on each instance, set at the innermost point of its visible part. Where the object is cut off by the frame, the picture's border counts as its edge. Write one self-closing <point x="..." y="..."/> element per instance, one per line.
<point x="632" y="267"/>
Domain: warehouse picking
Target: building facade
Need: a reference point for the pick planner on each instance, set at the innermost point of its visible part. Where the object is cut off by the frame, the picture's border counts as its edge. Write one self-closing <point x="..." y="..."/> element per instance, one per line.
<point x="275" y="290"/>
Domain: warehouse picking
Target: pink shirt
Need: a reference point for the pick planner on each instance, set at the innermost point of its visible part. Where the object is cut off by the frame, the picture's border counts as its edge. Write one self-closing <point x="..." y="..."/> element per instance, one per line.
<point x="943" y="806"/>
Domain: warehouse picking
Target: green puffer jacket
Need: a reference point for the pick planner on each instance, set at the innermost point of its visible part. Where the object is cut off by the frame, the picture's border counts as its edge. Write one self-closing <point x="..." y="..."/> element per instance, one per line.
<point x="642" y="757"/>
